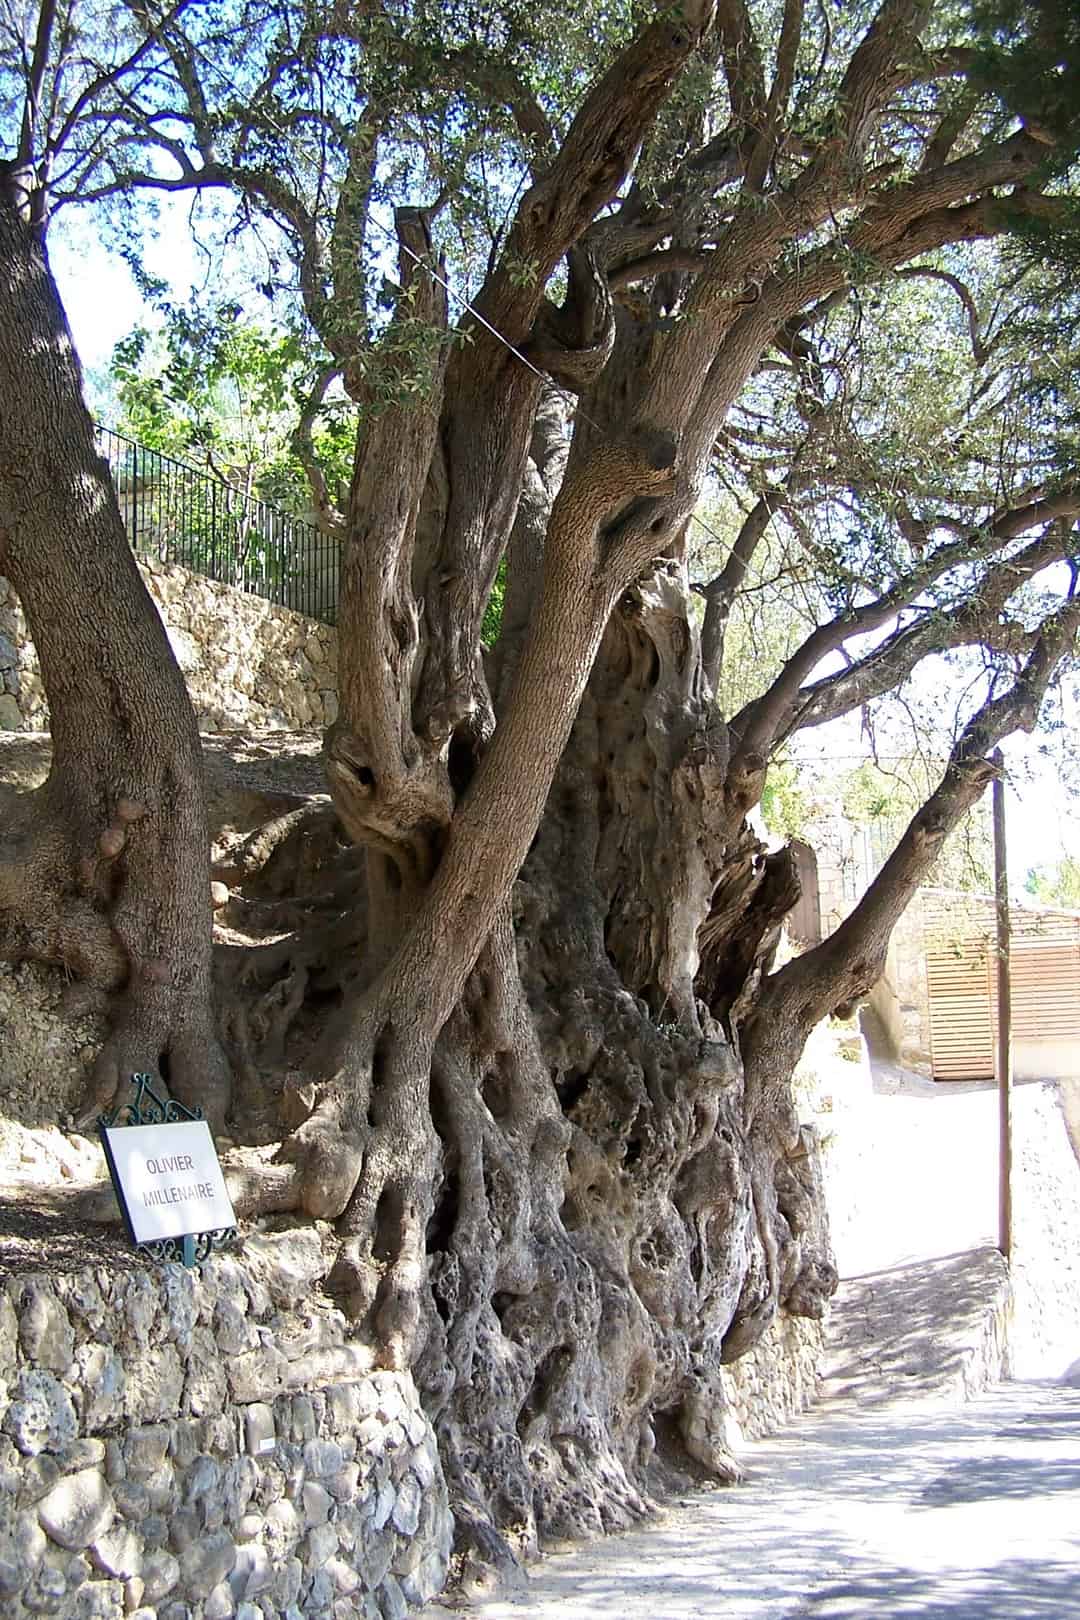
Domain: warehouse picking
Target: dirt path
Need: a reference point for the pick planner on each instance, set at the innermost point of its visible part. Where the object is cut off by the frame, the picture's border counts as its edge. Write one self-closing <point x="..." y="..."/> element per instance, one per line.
<point x="964" y="1514"/>
<point x="913" y="1175"/>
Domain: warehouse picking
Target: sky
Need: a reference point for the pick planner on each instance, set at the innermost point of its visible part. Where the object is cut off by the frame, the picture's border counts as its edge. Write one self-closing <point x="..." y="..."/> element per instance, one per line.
<point x="102" y="301"/>
<point x="103" y="304"/>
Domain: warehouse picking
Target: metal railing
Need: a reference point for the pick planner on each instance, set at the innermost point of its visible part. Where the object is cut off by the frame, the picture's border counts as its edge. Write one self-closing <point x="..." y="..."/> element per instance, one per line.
<point x="177" y="514"/>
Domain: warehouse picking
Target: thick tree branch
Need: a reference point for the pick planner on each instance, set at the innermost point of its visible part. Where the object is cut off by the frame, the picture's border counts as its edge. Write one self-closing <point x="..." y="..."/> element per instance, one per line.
<point x="490" y="398"/>
<point x="650" y="265"/>
<point x="977" y="621"/>
<point x="391" y="789"/>
<point x="787" y="52"/>
<point x="31" y="116"/>
<point x="871" y="72"/>
<point x="845" y="966"/>
<point x="764" y="722"/>
<point x="743" y="67"/>
<point x="330" y="520"/>
<point x="593" y="162"/>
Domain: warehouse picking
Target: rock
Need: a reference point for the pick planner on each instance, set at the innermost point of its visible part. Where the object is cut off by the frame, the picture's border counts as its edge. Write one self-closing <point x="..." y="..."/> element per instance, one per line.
<point x="102" y="1379"/>
<point x="220" y="1604"/>
<point x="45" y="1592"/>
<point x="41" y="1416"/>
<point x="257" y="1374"/>
<point x="317" y="1503"/>
<point x="45" y="1333"/>
<point x="160" y="1573"/>
<point x="304" y="1425"/>
<point x="343" y="1486"/>
<point x="283" y="1528"/>
<point x="145" y="1449"/>
<point x="252" y="1573"/>
<point x="81" y="1454"/>
<point x="288" y="1578"/>
<point x="343" y="1576"/>
<point x="99" y="1600"/>
<point x="292" y="1263"/>
<point x="161" y="1489"/>
<point x="155" y="1383"/>
<point x="384" y="1505"/>
<point x="10" y="714"/>
<point x="204" y="1475"/>
<point x="132" y="1499"/>
<point x="322" y="1543"/>
<point x="205" y="1563"/>
<point x="416" y="1427"/>
<point x="118" y="1552"/>
<point x="428" y="1578"/>
<point x="76" y="1570"/>
<point x="376" y="1557"/>
<point x="323" y="1458"/>
<point x="233" y="1332"/>
<point x="406" y="1514"/>
<point x="185" y="1528"/>
<point x="260" y="1430"/>
<point x="38" y="1477"/>
<point x="22" y="1547"/>
<point x="186" y="649"/>
<point x="392" y="1603"/>
<point x="78" y="1510"/>
<point x="242" y="1479"/>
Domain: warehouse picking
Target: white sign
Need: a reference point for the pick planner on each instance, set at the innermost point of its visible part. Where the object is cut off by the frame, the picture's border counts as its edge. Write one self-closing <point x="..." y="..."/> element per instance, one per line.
<point x="169" y="1179"/>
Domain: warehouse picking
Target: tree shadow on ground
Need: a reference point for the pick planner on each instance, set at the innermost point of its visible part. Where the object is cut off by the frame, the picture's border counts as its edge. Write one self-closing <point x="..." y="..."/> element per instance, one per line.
<point x="34" y="1237"/>
<point x="1033" y="1590"/>
<point x="907" y="1332"/>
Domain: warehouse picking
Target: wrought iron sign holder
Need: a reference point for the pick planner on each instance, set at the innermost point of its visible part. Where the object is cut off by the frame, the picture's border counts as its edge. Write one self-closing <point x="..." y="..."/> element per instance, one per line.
<point x="147" y="1107"/>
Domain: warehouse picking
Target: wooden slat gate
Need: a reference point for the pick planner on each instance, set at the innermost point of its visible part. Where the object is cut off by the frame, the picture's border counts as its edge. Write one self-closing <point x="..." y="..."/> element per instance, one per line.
<point x="962" y="985"/>
<point x="961" y="1029"/>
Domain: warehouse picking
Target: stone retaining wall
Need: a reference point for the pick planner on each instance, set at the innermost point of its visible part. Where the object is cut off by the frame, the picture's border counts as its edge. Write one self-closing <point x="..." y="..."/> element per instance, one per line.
<point x="176" y="1446"/>
<point x="779" y="1378"/>
<point x="247" y="663"/>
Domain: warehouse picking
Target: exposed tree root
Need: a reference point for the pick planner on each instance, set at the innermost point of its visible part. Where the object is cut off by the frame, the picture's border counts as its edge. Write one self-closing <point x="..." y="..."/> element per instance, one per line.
<point x="559" y="1212"/>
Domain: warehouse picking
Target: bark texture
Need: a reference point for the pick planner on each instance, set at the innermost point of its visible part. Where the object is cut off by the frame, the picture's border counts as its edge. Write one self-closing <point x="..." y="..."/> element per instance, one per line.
<point x="106" y="869"/>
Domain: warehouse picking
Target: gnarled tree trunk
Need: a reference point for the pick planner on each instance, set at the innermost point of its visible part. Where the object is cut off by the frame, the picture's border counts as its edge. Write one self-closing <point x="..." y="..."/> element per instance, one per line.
<point x="107" y="870"/>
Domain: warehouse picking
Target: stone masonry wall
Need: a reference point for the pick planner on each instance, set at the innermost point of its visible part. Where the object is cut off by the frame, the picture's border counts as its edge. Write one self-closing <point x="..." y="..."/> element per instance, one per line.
<point x="176" y="1446"/>
<point x="779" y="1378"/>
<point x="247" y="663"/>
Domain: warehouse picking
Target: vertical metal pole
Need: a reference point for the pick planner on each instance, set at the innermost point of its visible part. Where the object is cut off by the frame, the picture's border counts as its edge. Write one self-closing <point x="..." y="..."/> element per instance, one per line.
<point x="1004" y="1010"/>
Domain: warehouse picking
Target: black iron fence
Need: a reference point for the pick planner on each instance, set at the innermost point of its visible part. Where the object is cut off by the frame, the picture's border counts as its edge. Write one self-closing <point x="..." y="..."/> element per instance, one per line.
<point x="178" y="514"/>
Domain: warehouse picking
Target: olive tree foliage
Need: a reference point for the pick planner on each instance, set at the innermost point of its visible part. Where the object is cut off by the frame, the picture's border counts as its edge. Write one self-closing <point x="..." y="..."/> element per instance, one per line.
<point x="532" y="1051"/>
